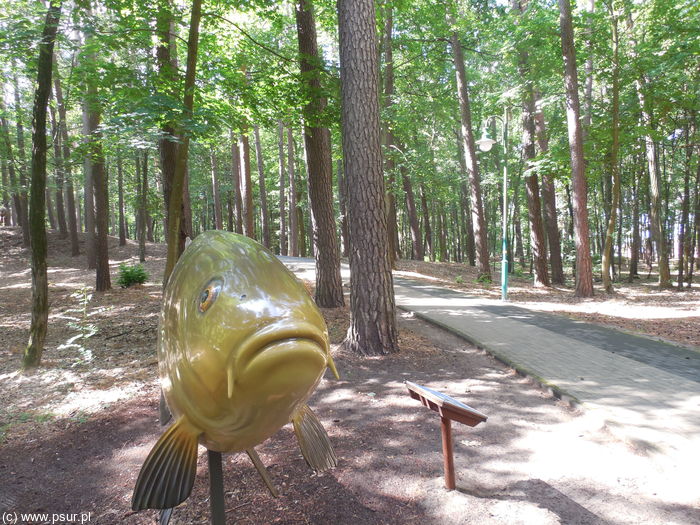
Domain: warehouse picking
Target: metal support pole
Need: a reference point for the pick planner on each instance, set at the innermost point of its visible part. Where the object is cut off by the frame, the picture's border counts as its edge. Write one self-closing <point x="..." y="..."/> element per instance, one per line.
<point x="504" y="257"/>
<point x="216" y="488"/>
<point x="446" y="428"/>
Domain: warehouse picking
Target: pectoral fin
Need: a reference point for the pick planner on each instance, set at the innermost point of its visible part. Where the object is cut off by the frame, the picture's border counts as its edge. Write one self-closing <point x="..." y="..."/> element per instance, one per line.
<point x="167" y="475"/>
<point x="313" y="440"/>
<point x="163" y="410"/>
<point x="262" y="471"/>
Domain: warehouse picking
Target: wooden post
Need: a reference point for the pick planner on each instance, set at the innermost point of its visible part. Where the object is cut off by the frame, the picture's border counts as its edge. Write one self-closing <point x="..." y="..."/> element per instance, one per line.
<point x="449" y="409"/>
<point x="446" y="427"/>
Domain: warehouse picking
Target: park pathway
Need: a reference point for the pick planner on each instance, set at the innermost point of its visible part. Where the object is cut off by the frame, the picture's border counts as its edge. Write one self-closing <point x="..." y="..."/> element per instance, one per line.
<point x="644" y="391"/>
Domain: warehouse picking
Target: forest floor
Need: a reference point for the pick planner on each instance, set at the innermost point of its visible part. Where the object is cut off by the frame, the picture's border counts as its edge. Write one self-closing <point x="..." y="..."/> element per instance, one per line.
<point x="73" y="433"/>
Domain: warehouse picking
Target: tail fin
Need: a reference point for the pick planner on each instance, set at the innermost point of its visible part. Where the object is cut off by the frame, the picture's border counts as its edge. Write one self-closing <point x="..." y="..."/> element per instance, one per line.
<point x="313" y="440"/>
<point x="167" y="475"/>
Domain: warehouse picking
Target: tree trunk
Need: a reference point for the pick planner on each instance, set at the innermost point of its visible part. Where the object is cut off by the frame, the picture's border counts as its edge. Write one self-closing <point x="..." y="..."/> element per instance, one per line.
<point x="11" y="167"/>
<point x="683" y="237"/>
<point x="88" y="197"/>
<point x="176" y="195"/>
<point x="317" y="149"/>
<point x="550" y="205"/>
<point x="236" y="183"/>
<point x="218" y="222"/>
<point x="141" y="212"/>
<point x="40" y="285"/>
<point x="247" y="211"/>
<point x="657" y="226"/>
<point x="120" y="204"/>
<point x="614" y="149"/>
<point x="342" y="201"/>
<point x="426" y="222"/>
<point x="21" y="164"/>
<point x="478" y="218"/>
<point x="373" y="322"/>
<point x="293" y="219"/>
<point x="50" y="211"/>
<point x="584" y="266"/>
<point x="264" y="213"/>
<point x="166" y="59"/>
<point x="414" y="223"/>
<point x="283" y="195"/>
<point x="98" y="176"/>
<point x="389" y="141"/>
<point x="59" y="171"/>
<point x="68" y="177"/>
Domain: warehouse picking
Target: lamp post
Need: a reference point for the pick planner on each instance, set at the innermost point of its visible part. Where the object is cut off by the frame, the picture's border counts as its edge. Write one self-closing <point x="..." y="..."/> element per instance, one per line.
<point x="485" y="144"/>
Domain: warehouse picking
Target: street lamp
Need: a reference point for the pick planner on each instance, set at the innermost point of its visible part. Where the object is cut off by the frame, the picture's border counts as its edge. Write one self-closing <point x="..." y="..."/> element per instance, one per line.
<point x="485" y="144"/>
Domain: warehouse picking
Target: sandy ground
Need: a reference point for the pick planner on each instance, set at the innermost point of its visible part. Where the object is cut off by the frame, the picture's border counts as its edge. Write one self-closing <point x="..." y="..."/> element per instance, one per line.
<point x="74" y="433"/>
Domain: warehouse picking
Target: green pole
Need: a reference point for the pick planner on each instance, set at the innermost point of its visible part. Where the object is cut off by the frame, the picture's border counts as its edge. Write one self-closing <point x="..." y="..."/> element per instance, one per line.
<point x="504" y="258"/>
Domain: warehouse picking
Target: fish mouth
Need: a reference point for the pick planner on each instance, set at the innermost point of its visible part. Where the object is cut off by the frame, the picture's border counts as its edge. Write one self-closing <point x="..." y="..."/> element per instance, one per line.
<point x="275" y="340"/>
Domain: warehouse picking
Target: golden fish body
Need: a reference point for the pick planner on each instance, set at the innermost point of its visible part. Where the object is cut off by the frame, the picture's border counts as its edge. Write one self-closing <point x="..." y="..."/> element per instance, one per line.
<point x="239" y="366"/>
<point x="241" y="348"/>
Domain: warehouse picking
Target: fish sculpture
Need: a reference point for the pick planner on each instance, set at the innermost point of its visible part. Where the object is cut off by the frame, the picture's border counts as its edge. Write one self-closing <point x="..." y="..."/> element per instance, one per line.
<point x="241" y="348"/>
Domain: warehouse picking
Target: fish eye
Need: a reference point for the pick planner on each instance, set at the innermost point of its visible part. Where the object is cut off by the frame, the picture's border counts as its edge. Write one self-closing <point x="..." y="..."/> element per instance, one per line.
<point x="208" y="295"/>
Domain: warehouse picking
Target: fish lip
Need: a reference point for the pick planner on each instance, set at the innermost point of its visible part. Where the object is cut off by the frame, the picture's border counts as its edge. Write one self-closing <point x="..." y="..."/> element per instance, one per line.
<point x="277" y="333"/>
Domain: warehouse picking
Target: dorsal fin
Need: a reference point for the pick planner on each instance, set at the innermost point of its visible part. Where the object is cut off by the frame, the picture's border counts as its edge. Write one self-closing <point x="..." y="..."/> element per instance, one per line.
<point x="313" y="440"/>
<point x="167" y="475"/>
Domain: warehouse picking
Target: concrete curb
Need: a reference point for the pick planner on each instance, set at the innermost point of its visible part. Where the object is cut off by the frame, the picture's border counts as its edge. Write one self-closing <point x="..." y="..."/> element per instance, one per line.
<point x="554" y="390"/>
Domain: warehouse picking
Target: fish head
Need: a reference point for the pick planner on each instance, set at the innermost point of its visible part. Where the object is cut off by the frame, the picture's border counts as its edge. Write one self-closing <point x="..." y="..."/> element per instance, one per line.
<point x="241" y="343"/>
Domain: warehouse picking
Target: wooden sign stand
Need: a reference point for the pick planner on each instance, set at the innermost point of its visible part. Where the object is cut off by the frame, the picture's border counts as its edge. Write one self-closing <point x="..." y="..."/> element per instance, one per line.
<point x="450" y="410"/>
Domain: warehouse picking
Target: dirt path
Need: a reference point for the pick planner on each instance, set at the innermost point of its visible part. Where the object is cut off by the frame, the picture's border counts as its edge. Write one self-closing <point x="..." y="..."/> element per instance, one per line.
<point x="77" y="431"/>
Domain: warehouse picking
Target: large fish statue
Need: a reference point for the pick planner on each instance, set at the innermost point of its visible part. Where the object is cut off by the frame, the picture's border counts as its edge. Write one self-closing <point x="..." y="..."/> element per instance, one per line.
<point x="241" y="348"/>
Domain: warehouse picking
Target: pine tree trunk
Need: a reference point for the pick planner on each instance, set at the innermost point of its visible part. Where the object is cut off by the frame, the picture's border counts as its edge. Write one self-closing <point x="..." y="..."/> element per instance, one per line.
<point x="264" y="212"/>
<point x="478" y="218"/>
<point x="293" y="220"/>
<point x="584" y="266"/>
<point x="414" y="223"/>
<point x="550" y="205"/>
<point x="120" y="204"/>
<point x="683" y="237"/>
<point x="236" y="183"/>
<point x="426" y="222"/>
<point x="218" y="223"/>
<point x="389" y="141"/>
<point x="342" y="200"/>
<point x="40" y="285"/>
<point x="283" y="193"/>
<point x="317" y="148"/>
<point x="247" y="211"/>
<point x="614" y="149"/>
<point x="141" y="212"/>
<point x="373" y="323"/>
<point x="532" y="191"/>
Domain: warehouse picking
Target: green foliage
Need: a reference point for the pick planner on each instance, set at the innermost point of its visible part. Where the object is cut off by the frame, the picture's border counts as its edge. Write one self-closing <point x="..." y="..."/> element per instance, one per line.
<point x="130" y="275"/>
<point x="459" y="279"/>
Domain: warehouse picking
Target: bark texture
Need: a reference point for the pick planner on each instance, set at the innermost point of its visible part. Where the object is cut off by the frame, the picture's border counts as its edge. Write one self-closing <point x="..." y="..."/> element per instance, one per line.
<point x="584" y="267"/>
<point x="373" y="325"/>
<point x="40" y="284"/>
<point x="467" y="135"/>
<point x="317" y="148"/>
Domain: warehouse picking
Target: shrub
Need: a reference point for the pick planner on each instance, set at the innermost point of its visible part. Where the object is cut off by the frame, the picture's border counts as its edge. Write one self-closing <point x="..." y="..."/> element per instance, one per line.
<point x="129" y="275"/>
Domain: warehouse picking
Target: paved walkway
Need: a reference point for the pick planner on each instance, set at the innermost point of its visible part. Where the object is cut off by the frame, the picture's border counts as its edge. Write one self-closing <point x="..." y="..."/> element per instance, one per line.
<point x="645" y="391"/>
